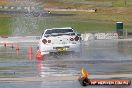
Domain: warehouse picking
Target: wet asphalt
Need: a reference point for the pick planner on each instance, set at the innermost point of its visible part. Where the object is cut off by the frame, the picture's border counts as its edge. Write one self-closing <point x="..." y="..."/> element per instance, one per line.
<point x="98" y="57"/>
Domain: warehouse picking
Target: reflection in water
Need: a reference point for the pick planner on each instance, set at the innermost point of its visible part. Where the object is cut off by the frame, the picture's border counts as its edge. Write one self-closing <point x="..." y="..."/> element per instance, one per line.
<point x="118" y="86"/>
<point x="40" y="67"/>
<point x="30" y="56"/>
<point x="108" y="50"/>
<point x="17" y="53"/>
<point x="99" y="57"/>
<point x="53" y="84"/>
<point x="125" y="47"/>
<point x="40" y="64"/>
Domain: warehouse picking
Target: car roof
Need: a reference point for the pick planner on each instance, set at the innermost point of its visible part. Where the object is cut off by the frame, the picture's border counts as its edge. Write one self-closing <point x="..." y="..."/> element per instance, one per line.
<point x="63" y="28"/>
<point x="60" y="28"/>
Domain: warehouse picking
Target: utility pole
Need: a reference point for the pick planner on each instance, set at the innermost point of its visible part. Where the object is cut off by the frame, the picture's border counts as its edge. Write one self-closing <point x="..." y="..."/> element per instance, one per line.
<point x="125" y="3"/>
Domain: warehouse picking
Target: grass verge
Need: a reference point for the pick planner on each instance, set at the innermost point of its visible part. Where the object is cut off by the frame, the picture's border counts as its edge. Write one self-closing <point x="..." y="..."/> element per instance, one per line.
<point x="103" y="20"/>
<point x="5" y="25"/>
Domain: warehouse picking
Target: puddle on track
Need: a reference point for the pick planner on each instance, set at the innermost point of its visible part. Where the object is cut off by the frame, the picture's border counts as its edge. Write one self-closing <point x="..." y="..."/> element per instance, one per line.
<point x="57" y="84"/>
<point x="98" y="57"/>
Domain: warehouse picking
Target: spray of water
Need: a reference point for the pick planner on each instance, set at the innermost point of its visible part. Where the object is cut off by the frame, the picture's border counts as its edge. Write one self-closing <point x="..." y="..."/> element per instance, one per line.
<point x="27" y="22"/>
<point x="24" y="26"/>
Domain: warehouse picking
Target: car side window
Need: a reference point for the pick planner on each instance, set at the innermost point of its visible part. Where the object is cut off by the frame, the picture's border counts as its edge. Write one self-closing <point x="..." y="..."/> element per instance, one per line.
<point x="48" y="32"/>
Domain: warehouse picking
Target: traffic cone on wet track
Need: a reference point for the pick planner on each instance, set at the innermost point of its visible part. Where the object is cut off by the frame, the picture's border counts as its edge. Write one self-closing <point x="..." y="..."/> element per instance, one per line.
<point x="39" y="56"/>
<point x="30" y="53"/>
<point x="11" y="45"/>
<point x="4" y="44"/>
<point x="17" y="50"/>
<point x="17" y="47"/>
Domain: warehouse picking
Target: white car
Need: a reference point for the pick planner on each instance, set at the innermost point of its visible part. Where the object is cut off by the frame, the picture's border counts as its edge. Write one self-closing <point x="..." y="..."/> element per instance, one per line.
<point x="59" y="40"/>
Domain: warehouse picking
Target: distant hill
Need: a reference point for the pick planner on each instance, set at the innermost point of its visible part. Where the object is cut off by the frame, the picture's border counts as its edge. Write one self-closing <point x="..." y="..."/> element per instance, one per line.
<point x="85" y="4"/>
<point x="78" y="4"/>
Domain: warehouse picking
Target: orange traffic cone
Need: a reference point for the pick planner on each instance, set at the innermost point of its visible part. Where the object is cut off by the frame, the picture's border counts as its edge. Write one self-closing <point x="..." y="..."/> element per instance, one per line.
<point x="11" y="45"/>
<point x="39" y="56"/>
<point x="30" y="56"/>
<point x="17" y="47"/>
<point x="17" y="53"/>
<point x="30" y="53"/>
<point x="4" y="44"/>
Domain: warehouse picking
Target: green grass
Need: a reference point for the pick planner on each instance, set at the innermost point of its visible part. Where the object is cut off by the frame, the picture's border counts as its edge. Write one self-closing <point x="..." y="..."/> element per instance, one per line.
<point x="4" y="25"/>
<point x="82" y="26"/>
<point x="103" y="20"/>
<point x="119" y="3"/>
<point x="90" y="22"/>
<point x="81" y="22"/>
<point x="88" y="3"/>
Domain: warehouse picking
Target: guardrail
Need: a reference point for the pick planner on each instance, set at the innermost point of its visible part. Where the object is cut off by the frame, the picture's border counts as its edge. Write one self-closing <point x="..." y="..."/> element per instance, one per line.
<point x="85" y="37"/>
<point x="99" y="36"/>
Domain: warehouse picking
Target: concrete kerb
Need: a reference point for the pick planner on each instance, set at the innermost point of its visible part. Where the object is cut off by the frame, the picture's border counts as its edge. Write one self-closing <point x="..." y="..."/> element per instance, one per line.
<point x="63" y="78"/>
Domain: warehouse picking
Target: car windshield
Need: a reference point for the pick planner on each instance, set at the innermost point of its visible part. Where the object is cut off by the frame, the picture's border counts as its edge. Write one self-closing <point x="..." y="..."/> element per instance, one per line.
<point x="58" y="31"/>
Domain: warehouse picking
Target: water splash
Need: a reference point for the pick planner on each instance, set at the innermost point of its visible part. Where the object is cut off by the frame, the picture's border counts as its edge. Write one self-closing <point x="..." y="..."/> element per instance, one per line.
<point x="27" y="22"/>
<point x="24" y="26"/>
